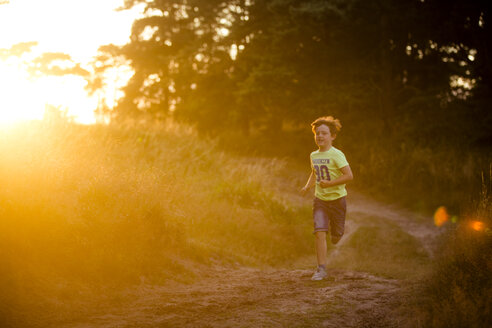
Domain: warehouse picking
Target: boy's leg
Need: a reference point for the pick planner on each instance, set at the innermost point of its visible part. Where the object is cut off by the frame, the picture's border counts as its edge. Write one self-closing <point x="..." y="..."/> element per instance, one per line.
<point x="321" y="227"/>
<point x="335" y="239"/>
<point x="338" y="209"/>
<point x="321" y="248"/>
<point x="320" y="243"/>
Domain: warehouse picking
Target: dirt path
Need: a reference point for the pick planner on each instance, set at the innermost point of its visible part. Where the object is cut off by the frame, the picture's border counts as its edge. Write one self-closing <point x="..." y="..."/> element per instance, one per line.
<point x="260" y="298"/>
<point x="251" y="297"/>
<point x="418" y="226"/>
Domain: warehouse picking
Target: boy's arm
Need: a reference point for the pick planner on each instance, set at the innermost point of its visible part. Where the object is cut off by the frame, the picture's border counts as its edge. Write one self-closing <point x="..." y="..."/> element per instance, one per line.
<point x="344" y="178"/>
<point x="309" y="183"/>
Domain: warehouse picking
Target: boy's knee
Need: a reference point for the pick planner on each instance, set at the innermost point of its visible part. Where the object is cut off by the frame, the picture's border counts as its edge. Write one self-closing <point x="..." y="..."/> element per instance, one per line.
<point x="335" y="239"/>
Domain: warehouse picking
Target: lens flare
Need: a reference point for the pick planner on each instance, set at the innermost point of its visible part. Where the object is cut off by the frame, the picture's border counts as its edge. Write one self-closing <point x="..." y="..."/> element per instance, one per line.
<point x="477" y="225"/>
<point x="441" y="216"/>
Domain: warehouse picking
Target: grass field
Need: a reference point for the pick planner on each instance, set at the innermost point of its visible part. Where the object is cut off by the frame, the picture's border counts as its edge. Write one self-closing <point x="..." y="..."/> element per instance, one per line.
<point x="90" y="210"/>
<point x="102" y="206"/>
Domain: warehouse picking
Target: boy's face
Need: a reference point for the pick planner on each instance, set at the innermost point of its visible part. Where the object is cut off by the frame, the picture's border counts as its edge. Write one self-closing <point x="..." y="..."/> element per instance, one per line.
<point x="323" y="137"/>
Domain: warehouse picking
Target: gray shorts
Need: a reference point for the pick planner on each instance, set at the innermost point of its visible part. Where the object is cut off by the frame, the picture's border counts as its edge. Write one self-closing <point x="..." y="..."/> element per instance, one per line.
<point x="329" y="215"/>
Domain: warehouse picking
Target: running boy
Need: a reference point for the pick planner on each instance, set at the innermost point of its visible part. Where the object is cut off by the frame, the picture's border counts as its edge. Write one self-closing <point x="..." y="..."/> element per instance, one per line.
<point x="330" y="171"/>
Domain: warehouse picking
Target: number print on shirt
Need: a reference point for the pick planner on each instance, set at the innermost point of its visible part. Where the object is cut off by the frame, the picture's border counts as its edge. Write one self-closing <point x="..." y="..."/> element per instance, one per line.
<point x="322" y="172"/>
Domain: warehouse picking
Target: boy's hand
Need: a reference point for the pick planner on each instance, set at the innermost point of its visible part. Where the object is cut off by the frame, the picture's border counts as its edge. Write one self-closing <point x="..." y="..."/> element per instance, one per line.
<point x="325" y="183"/>
<point x="304" y="190"/>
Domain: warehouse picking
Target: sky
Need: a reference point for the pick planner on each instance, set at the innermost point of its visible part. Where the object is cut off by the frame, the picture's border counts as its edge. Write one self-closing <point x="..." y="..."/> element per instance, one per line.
<point x="73" y="27"/>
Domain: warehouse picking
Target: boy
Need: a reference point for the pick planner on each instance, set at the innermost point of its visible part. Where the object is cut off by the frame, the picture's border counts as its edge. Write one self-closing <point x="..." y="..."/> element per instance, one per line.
<point x="329" y="171"/>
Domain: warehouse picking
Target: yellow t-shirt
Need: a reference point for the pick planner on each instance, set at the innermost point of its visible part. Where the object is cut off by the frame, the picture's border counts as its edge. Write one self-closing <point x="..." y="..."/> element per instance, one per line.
<point x="326" y="166"/>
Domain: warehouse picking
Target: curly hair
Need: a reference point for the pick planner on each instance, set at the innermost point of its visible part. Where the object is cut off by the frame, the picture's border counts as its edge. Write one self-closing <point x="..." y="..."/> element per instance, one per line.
<point x="332" y="123"/>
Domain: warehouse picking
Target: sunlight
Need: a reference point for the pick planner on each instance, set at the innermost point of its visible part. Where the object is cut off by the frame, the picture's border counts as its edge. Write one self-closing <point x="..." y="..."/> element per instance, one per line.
<point x="77" y="29"/>
<point x="25" y="98"/>
<point x="21" y="97"/>
<point x="223" y="31"/>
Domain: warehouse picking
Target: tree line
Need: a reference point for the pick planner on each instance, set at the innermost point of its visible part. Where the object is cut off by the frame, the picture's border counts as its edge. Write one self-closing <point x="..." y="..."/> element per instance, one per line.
<point x="264" y="65"/>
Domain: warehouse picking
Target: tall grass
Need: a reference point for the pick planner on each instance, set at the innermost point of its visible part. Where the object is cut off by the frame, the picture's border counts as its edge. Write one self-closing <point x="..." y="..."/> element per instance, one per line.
<point x="421" y="170"/>
<point x="420" y="177"/>
<point x="422" y="165"/>
<point x="459" y="292"/>
<point x="88" y="206"/>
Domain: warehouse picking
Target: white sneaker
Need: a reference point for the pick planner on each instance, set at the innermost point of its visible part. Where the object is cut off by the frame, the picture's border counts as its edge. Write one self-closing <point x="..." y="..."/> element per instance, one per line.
<point x="320" y="274"/>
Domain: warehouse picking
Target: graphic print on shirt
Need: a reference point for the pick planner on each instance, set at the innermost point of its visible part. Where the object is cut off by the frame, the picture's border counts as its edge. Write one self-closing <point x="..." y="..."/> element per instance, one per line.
<point x="320" y="165"/>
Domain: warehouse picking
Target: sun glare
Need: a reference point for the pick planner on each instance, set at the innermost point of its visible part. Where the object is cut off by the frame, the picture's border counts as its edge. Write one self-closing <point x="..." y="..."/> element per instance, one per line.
<point x="441" y="216"/>
<point x="477" y="225"/>
<point x="21" y="99"/>
<point x="25" y="98"/>
<point x="73" y="28"/>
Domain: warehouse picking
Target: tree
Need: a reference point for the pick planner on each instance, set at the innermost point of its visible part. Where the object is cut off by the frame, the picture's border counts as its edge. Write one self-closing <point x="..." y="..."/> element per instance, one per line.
<point x="181" y="60"/>
<point x="260" y="63"/>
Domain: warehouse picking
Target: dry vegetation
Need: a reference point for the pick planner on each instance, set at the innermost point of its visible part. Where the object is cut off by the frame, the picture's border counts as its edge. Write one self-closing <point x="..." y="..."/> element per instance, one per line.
<point x="99" y="206"/>
<point x="460" y="288"/>
<point x="89" y="210"/>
